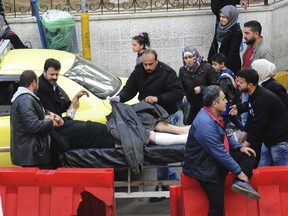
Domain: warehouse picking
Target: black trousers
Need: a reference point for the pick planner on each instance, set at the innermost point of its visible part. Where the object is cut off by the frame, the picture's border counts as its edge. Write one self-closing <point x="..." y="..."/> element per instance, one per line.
<point x="215" y="191"/>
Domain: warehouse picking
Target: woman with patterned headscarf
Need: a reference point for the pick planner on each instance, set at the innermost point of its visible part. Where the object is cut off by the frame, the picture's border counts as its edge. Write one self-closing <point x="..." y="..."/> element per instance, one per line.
<point x="195" y="75"/>
<point x="227" y="38"/>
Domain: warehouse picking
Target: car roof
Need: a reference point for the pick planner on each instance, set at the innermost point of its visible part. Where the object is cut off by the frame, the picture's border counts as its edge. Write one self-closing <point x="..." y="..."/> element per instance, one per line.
<point x="18" y="60"/>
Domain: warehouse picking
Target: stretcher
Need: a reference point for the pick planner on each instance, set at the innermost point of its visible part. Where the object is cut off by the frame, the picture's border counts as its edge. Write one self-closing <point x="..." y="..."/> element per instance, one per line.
<point x="155" y="156"/>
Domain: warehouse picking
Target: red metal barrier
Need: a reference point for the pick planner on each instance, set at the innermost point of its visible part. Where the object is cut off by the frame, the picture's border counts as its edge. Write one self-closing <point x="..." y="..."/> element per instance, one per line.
<point x="34" y="192"/>
<point x="188" y="199"/>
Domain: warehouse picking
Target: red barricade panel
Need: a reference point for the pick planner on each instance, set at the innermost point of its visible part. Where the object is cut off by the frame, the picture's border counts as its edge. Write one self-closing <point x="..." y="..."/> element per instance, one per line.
<point x="34" y="192"/>
<point x="271" y="182"/>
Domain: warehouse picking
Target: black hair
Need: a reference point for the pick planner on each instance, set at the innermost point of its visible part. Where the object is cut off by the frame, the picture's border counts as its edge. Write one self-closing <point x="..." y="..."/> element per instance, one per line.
<point x="210" y="94"/>
<point x="250" y="75"/>
<point x="142" y="39"/>
<point x="219" y="58"/>
<point x="52" y="63"/>
<point x="254" y="25"/>
<point x="27" y="77"/>
<point x="150" y="51"/>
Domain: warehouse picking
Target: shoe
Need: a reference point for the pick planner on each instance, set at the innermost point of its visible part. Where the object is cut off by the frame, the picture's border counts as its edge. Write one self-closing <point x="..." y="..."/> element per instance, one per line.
<point x="158" y="199"/>
<point x="28" y="44"/>
<point x="245" y="189"/>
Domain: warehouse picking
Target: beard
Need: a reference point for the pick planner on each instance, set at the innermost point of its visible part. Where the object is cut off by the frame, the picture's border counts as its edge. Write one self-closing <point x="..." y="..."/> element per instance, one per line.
<point x="251" y="41"/>
<point x="244" y="89"/>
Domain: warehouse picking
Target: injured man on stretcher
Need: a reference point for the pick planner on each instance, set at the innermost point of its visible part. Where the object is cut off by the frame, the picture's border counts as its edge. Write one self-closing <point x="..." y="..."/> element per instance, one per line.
<point x="135" y="128"/>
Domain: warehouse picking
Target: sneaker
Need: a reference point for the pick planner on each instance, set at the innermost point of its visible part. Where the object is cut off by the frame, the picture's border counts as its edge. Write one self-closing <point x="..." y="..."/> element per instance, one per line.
<point x="245" y="189"/>
<point x="158" y="199"/>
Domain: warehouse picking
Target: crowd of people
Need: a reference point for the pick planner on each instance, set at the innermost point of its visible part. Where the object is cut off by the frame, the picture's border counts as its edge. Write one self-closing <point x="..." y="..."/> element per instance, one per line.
<point x="218" y="89"/>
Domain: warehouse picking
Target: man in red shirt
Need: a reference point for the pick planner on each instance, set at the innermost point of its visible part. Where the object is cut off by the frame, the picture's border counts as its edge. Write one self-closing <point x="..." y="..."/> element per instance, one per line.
<point x="256" y="48"/>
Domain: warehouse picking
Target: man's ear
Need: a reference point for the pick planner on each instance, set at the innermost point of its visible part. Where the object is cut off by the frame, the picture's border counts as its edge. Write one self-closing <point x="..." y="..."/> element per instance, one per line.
<point x="250" y="85"/>
<point x="256" y="34"/>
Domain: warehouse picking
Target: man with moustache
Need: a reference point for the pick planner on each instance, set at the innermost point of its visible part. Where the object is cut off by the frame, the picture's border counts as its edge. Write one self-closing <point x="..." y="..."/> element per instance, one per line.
<point x="155" y="82"/>
<point x="210" y="154"/>
<point x="74" y="133"/>
<point x="256" y="48"/>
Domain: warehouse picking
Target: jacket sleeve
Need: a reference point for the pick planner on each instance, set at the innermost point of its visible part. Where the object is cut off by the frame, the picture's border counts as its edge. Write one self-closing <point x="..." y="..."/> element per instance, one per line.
<point x="213" y="49"/>
<point x="130" y="89"/>
<point x="266" y="53"/>
<point x="234" y="144"/>
<point x="242" y="107"/>
<point x="257" y="121"/>
<point x="31" y="120"/>
<point x="234" y="46"/>
<point x="65" y="100"/>
<point x="211" y="76"/>
<point x="213" y="145"/>
<point x="182" y="79"/>
<point x="174" y="91"/>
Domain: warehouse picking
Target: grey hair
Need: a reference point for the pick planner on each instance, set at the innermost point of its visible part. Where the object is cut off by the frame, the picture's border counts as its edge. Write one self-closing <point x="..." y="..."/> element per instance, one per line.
<point x="210" y="94"/>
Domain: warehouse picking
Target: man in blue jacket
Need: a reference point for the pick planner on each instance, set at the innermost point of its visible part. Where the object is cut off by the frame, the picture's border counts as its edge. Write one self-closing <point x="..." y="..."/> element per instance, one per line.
<point x="210" y="154"/>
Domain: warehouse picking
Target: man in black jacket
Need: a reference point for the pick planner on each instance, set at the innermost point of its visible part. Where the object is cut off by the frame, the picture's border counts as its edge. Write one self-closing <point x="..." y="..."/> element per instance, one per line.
<point x="155" y="82"/>
<point x="267" y="118"/>
<point x="30" y="126"/>
<point x="75" y="134"/>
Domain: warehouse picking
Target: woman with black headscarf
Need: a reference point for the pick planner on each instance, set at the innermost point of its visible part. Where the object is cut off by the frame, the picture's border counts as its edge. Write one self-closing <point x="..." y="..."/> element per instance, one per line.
<point x="195" y="76"/>
<point x="227" y="38"/>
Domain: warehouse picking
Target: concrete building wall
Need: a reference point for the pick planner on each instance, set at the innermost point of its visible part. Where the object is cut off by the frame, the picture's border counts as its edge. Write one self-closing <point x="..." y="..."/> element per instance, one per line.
<point x="169" y="32"/>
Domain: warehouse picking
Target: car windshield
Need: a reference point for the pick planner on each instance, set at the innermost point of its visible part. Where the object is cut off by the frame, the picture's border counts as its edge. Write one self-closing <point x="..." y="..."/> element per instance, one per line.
<point x="96" y="80"/>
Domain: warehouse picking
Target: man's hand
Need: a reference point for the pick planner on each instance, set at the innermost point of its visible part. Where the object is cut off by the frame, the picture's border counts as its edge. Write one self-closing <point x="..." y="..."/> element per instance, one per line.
<point x="244" y="4"/>
<point x="248" y="151"/>
<point x="81" y="93"/>
<point x="75" y="101"/>
<point x="57" y="121"/>
<point x="151" y="99"/>
<point x="233" y="110"/>
<point x="197" y="90"/>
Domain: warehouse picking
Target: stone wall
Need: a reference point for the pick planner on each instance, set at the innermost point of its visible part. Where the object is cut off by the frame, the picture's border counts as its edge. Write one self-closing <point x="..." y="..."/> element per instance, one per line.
<point x="169" y="32"/>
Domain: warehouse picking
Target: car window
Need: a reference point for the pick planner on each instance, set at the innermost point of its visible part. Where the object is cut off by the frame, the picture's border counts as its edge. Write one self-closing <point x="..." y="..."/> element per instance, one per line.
<point x="7" y="89"/>
<point x="99" y="82"/>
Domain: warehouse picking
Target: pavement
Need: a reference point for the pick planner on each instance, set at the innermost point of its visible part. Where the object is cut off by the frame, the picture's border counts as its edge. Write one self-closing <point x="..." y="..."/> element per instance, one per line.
<point x="142" y="206"/>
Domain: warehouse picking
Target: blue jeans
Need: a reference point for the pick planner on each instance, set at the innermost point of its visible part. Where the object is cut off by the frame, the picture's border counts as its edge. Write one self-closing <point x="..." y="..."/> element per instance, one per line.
<point x="174" y="118"/>
<point x="279" y="153"/>
<point x="166" y="173"/>
<point x="266" y="157"/>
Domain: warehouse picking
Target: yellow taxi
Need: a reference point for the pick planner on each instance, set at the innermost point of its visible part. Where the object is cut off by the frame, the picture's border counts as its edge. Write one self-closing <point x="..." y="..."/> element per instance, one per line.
<point x="76" y="73"/>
